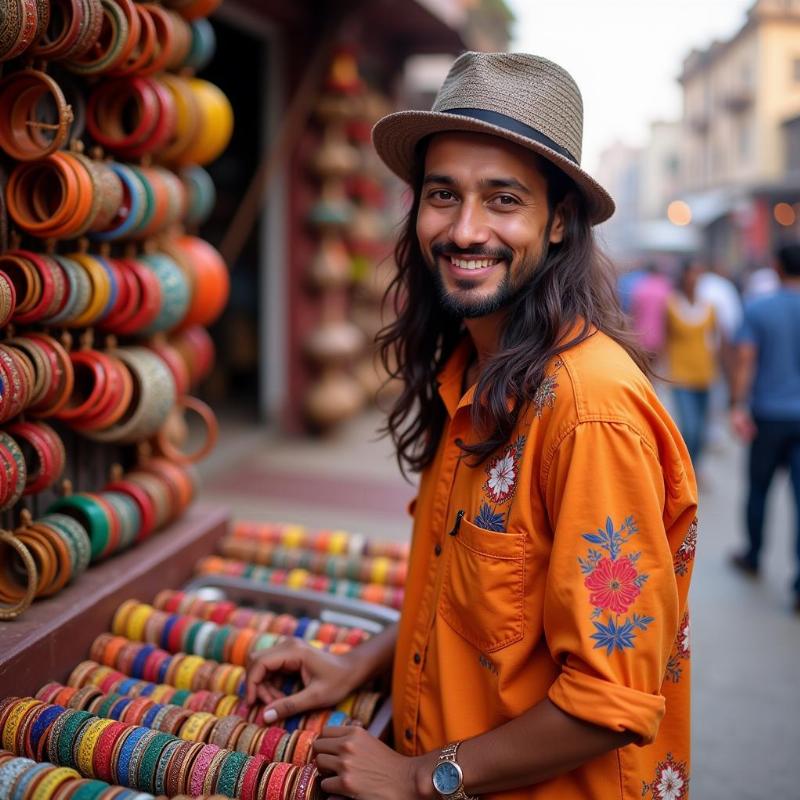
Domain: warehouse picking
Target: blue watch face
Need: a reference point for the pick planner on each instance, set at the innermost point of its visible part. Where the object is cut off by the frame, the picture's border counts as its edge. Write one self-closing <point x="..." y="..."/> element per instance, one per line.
<point x="446" y="778"/>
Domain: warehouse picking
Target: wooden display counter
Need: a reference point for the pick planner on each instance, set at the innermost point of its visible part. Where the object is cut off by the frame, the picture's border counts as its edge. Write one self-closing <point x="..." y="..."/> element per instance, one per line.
<point x="54" y="635"/>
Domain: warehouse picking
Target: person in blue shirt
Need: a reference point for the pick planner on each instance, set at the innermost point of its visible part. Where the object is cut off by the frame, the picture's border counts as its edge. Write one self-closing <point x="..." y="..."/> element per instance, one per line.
<point x="765" y="400"/>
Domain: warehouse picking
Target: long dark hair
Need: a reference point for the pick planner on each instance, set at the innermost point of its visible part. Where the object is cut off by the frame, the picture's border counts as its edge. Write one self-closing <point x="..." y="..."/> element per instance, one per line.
<point x="573" y="283"/>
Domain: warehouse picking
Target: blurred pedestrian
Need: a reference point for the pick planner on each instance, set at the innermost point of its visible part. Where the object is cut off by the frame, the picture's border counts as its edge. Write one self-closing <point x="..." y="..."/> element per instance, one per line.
<point x="760" y="282"/>
<point x="716" y="287"/>
<point x="648" y="310"/>
<point x="765" y="400"/>
<point x="691" y="356"/>
<point x="626" y="283"/>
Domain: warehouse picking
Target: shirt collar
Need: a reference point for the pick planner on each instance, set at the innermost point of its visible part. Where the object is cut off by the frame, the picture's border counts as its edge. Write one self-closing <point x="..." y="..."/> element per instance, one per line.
<point x="451" y="378"/>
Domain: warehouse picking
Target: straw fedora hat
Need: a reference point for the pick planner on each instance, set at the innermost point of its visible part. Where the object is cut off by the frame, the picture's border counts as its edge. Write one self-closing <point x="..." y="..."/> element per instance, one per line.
<point x="523" y="98"/>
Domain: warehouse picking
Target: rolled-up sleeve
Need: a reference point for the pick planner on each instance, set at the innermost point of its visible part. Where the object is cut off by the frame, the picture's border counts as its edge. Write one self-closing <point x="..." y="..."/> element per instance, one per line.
<point x="611" y="610"/>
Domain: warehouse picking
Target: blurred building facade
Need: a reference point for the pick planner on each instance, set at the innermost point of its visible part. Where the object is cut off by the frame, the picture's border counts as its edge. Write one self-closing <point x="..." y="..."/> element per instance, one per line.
<point x="724" y="180"/>
<point x="741" y="106"/>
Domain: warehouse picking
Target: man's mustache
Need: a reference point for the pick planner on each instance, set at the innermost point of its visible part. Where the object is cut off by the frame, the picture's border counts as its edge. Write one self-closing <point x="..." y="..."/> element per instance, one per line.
<point x="492" y="253"/>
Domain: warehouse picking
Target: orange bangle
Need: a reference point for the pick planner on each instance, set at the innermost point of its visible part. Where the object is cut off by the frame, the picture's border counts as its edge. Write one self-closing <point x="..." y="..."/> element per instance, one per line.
<point x="20" y="600"/>
<point x="142" y="50"/>
<point x="205" y="413"/>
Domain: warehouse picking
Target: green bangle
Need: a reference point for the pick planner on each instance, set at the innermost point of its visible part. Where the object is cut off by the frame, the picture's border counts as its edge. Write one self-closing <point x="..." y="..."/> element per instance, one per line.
<point x="189" y="639"/>
<point x="89" y="790"/>
<point x="105" y="706"/>
<point x="217" y="647"/>
<point x="129" y="516"/>
<point x="91" y="515"/>
<point x="69" y="735"/>
<point x="76" y="532"/>
<point x="149" y="762"/>
<point x="232" y="767"/>
<point x="180" y="697"/>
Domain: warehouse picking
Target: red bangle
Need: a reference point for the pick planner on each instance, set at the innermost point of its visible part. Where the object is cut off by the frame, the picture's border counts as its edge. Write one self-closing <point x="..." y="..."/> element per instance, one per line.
<point x="143" y="501"/>
<point x="63" y="376"/>
<point x="90" y="385"/>
<point x="49" y="450"/>
<point x="120" y="392"/>
<point x="150" y="294"/>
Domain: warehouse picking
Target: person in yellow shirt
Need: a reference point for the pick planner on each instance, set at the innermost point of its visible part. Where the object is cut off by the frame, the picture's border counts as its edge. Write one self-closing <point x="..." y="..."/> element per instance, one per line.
<point x="691" y="356"/>
<point x="543" y="646"/>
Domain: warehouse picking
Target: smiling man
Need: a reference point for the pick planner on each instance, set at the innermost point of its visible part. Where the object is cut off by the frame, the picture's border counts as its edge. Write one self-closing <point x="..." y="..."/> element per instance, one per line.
<point x="542" y="650"/>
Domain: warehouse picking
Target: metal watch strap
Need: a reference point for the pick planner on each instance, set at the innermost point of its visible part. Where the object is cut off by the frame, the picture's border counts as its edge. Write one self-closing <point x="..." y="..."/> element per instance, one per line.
<point x="448" y="753"/>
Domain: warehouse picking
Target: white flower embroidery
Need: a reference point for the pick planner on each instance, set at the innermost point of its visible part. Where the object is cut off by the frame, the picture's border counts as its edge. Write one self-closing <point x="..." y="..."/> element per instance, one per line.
<point x="502" y="475"/>
<point x="684" y="634"/>
<point x="670" y="784"/>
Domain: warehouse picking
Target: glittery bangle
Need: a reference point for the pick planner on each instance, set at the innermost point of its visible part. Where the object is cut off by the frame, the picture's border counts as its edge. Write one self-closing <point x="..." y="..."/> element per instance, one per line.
<point x="251" y="776"/>
<point x="126" y="753"/>
<point x="149" y="762"/>
<point x="304" y="786"/>
<point x="277" y="779"/>
<point x="232" y="767"/>
<point x="69" y="734"/>
<point x="270" y="742"/>
<point x="10" y="771"/>
<point x="41" y="727"/>
<point x="280" y="748"/>
<point x="24" y="786"/>
<point x="104" y="749"/>
<point x="194" y="726"/>
<point x="212" y="775"/>
<point x="136" y="757"/>
<point x="85" y="749"/>
<point x="244" y="743"/>
<point x="222" y="730"/>
<point x="164" y="759"/>
<point x="200" y="767"/>
<point x="50" y="782"/>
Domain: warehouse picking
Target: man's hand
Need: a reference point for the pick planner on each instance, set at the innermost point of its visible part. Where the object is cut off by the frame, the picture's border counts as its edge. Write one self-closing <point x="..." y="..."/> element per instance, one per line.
<point x="355" y="764"/>
<point x="742" y="423"/>
<point x="327" y="678"/>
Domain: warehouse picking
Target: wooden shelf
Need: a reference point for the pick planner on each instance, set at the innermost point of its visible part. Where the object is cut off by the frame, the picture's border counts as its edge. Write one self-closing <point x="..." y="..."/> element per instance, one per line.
<point x="54" y="635"/>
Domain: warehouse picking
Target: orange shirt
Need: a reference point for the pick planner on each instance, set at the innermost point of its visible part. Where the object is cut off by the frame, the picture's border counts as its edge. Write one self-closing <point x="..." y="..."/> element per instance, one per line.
<point x="566" y="577"/>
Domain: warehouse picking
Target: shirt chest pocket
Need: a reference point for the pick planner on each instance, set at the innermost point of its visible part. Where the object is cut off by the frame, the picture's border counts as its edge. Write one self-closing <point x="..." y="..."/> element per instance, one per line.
<point x="483" y="587"/>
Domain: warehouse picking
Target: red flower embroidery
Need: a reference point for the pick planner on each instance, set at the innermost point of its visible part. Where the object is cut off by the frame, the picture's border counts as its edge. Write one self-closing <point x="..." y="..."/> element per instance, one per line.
<point x="613" y="585"/>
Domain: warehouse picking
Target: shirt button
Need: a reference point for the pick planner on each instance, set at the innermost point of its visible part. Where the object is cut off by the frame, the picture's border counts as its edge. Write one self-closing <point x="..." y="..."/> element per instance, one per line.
<point x="408" y="734"/>
<point x="437" y="549"/>
<point x="417" y="658"/>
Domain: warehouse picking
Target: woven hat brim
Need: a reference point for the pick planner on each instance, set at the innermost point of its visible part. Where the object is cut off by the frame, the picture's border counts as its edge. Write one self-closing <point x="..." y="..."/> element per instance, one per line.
<point x="397" y="135"/>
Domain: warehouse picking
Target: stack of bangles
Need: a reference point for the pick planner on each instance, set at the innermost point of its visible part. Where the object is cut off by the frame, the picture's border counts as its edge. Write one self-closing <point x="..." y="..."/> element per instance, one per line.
<point x="117" y="37"/>
<point x="334" y="542"/>
<point x="364" y="569"/>
<point x="224" y="612"/>
<point x="181" y="633"/>
<point x="359" y="706"/>
<point x="229" y="732"/>
<point x="153" y="293"/>
<point x="390" y="596"/>
<point x="144" y="759"/>
<point x="58" y="551"/>
<point x="131" y="508"/>
<point x="26" y="779"/>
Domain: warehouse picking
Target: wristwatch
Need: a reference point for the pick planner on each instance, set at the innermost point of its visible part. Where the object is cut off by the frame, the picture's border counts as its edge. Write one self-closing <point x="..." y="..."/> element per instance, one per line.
<point x="448" y="780"/>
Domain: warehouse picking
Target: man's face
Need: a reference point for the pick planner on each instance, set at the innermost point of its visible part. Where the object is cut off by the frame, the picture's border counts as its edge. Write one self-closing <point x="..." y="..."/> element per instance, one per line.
<point x="482" y="220"/>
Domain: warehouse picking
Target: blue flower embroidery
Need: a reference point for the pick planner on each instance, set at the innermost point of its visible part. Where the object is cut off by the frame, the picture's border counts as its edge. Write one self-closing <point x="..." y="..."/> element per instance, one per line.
<point x="489" y="520"/>
<point x="616" y="636"/>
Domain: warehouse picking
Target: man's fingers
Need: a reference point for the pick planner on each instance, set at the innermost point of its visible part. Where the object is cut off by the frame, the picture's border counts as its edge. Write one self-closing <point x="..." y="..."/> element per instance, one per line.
<point x="281" y="658"/>
<point x="327" y="763"/>
<point x="304" y="700"/>
<point x="333" y="786"/>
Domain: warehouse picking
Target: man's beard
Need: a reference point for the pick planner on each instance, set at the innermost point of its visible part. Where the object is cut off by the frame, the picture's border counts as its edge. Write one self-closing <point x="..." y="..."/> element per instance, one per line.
<point x="462" y="306"/>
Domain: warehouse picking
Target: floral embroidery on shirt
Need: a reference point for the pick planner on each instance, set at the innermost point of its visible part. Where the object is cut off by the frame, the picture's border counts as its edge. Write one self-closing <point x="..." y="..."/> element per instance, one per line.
<point x="501" y="482"/>
<point x="545" y="394"/>
<point x="671" y="781"/>
<point x="680" y="651"/>
<point x="685" y="552"/>
<point x="614" y="584"/>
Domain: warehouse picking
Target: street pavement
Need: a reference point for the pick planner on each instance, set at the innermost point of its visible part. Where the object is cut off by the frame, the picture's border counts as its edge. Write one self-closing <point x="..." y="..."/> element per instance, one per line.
<point x="745" y="637"/>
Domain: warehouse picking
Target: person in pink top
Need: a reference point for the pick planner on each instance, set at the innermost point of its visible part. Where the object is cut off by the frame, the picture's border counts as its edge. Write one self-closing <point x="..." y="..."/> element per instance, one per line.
<point x="648" y="310"/>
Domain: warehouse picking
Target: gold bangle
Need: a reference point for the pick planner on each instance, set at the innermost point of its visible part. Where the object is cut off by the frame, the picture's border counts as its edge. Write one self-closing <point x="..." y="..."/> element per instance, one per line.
<point x="32" y="576"/>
